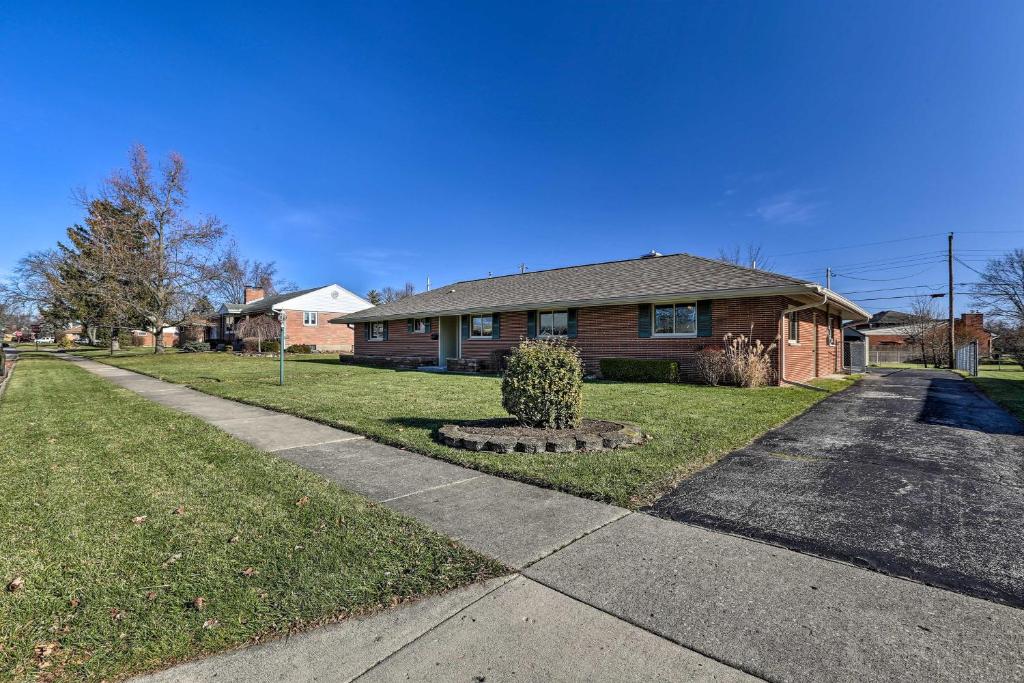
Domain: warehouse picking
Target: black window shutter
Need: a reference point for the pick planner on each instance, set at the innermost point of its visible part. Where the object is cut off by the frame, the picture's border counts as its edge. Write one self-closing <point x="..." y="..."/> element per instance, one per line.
<point x="531" y="324"/>
<point x="411" y="323"/>
<point x="385" y="330"/>
<point x="366" y="330"/>
<point x="704" y="318"/>
<point x="495" y="326"/>
<point x="643" y="320"/>
<point x="465" y="326"/>
<point x="571" y="317"/>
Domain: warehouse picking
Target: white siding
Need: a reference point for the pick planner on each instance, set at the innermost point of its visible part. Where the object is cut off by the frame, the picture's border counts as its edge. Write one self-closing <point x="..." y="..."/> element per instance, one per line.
<point x="324" y="300"/>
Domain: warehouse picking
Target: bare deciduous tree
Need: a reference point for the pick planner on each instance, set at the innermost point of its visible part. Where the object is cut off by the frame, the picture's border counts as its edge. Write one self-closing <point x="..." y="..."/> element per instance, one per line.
<point x="926" y="329"/>
<point x="176" y="268"/>
<point x="1000" y="288"/>
<point x="751" y="256"/>
<point x="390" y="294"/>
<point x="237" y="273"/>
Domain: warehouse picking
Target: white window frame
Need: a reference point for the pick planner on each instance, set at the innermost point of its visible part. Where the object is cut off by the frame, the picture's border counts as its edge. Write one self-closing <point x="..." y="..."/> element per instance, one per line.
<point x="677" y="335"/>
<point x="830" y="334"/>
<point x="373" y="330"/>
<point x="306" y="317"/>
<point x="793" y="323"/>
<point x="472" y="335"/>
<point x="419" y="326"/>
<point x="540" y="324"/>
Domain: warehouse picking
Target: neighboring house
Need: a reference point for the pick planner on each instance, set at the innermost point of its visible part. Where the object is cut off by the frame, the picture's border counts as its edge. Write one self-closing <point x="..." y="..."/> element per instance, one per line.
<point x="148" y="338"/>
<point x="650" y="307"/>
<point x="968" y="327"/>
<point x="71" y="333"/>
<point x="306" y="313"/>
<point x="885" y="319"/>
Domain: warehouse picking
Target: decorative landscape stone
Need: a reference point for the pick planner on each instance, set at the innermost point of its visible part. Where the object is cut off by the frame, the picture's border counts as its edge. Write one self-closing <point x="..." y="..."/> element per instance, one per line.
<point x="507" y="436"/>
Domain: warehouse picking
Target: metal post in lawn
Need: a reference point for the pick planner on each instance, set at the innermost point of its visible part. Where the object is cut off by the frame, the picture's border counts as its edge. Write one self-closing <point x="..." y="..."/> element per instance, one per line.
<point x="281" y="316"/>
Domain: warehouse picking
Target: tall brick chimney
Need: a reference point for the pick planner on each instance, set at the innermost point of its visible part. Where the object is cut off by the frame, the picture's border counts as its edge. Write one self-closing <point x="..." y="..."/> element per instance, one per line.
<point x="253" y="294"/>
<point x="975" y="321"/>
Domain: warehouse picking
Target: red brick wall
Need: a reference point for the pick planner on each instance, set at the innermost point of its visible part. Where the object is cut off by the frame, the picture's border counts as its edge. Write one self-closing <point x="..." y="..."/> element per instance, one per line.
<point x="400" y="342"/>
<point x="812" y="356"/>
<point x="324" y="335"/>
<point x="611" y="331"/>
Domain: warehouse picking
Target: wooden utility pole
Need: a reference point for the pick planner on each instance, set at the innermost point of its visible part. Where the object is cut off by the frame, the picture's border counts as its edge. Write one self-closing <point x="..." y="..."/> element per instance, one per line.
<point x="952" y="336"/>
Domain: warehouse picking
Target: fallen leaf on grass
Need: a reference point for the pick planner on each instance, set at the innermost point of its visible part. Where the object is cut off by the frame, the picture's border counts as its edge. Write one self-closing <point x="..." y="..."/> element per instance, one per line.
<point x="116" y="614"/>
<point x="44" y="650"/>
<point x="211" y="623"/>
<point x="234" y="539"/>
<point x="249" y="571"/>
<point x="75" y="602"/>
<point x="15" y="584"/>
<point x="151" y="596"/>
<point x="180" y="510"/>
<point x="139" y="520"/>
<point x="199" y="603"/>
<point x="172" y="559"/>
<point x="302" y="502"/>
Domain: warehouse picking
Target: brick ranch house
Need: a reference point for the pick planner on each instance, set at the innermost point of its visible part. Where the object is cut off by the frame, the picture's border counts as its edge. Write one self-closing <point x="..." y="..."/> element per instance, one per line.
<point x="650" y="307"/>
<point x="306" y="313"/>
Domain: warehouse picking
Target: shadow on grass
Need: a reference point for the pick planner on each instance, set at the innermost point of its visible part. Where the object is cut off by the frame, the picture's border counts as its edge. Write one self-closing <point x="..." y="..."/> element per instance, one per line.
<point x="326" y="360"/>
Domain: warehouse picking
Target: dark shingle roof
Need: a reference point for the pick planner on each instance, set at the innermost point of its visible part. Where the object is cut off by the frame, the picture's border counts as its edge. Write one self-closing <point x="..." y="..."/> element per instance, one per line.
<point x="891" y="318"/>
<point x="263" y="305"/>
<point x="613" y="281"/>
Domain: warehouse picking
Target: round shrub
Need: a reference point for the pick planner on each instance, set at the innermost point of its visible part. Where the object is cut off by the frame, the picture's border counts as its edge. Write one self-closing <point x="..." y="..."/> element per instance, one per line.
<point x="194" y="347"/>
<point x="543" y="385"/>
<point x="299" y="348"/>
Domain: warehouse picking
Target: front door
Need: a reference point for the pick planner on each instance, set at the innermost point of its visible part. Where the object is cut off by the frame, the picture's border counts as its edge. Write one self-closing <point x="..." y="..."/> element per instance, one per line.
<point x="448" y="339"/>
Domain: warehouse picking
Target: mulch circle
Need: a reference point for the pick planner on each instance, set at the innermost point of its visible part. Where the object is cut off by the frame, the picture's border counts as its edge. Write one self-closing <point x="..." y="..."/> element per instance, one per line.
<point x="508" y="436"/>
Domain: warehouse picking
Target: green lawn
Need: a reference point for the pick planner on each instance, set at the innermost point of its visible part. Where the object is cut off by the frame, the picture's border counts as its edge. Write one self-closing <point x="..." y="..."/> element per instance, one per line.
<point x="118" y="514"/>
<point x="1004" y="384"/>
<point x="692" y="425"/>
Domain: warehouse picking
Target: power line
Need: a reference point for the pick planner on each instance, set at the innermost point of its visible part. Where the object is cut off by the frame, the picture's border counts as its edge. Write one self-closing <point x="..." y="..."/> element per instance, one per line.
<point x="856" y="246"/>
<point x="874" y="279"/>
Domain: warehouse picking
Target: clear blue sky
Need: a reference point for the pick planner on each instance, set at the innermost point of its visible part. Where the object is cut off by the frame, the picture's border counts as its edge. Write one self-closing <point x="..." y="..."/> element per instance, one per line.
<point x="372" y="143"/>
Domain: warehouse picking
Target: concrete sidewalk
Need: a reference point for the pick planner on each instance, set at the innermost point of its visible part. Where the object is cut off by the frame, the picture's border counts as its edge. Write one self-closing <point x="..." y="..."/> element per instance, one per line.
<point x="602" y="594"/>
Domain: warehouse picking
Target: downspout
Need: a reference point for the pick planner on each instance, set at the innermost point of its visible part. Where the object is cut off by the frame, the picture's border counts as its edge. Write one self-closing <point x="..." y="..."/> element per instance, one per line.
<point x="784" y="341"/>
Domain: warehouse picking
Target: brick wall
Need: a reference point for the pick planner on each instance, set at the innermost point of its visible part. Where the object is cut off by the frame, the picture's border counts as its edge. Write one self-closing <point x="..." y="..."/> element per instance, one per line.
<point x="324" y="335"/>
<point x="612" y="331"/>
<point x="812" y="356"/>
<point x="400" y="341"/>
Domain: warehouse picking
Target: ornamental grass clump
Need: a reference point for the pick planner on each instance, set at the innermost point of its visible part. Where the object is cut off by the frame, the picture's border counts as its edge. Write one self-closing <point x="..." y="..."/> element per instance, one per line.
<point x="749" y="361"/>
<point x="712" y="366"/>
<point x="543" y="385"/>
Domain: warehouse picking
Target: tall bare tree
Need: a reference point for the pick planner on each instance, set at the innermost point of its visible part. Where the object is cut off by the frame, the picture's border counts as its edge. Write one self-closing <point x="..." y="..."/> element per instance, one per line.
<point x="1000" y="287"/>
<point x="751" y="256"/>
<point x="176" y="267"/>
<point x="926" y="329"/>
<point x="237" y="273"/>
<point x="390" y="294"/>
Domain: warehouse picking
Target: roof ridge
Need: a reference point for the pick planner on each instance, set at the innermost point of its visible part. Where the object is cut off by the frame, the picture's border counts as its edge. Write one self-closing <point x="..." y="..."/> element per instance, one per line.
<point x="622" y="260"/>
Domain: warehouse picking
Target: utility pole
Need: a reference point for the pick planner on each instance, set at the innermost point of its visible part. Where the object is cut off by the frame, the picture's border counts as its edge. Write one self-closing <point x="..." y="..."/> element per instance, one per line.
<point x="828" y="278"/>
<point x="952" y="336"/>
<point x="522" y="268"/>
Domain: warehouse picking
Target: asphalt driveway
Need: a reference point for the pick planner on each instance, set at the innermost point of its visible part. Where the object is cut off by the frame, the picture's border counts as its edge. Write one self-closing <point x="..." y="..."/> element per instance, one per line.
<point x="913" y="473"/>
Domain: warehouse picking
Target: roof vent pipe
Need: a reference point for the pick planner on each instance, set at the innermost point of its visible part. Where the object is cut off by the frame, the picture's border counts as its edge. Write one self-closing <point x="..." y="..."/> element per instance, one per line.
<point x="652" y="254"/>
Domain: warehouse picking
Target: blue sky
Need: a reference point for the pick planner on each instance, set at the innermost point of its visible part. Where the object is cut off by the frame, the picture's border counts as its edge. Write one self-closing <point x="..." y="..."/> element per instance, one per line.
<point x="374" y="143"/>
